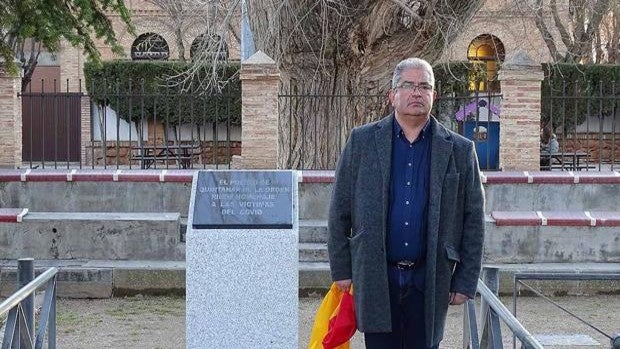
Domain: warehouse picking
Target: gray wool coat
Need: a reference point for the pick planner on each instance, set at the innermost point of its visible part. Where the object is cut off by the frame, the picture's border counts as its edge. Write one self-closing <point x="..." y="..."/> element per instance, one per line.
<point x="358" y="222"/>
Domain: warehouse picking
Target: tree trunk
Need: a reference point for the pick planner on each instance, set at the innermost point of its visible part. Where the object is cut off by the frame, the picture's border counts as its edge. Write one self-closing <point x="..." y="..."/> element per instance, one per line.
<point x="178" y="33"/>
<point x="317" y="114"/>
<point x="341" y="56"/>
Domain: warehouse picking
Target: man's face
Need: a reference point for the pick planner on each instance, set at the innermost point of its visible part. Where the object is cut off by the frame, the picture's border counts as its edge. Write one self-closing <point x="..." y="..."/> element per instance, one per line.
<point x="414" y="94"/>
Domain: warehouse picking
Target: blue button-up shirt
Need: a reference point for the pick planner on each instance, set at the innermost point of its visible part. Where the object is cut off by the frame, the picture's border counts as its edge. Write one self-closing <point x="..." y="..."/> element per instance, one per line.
<point x="406" y="237"/>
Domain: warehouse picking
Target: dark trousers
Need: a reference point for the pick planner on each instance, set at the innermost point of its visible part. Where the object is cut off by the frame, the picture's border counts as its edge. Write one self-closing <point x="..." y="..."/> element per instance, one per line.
<point x="407" y="307"/>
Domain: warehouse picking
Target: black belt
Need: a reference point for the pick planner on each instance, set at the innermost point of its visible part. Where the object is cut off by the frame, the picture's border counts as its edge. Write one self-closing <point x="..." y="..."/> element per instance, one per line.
<point x="404" y="264"/>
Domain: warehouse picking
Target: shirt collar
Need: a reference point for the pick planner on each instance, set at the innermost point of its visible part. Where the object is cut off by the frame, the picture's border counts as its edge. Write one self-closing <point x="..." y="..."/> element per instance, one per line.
<point x="425" y="130"/>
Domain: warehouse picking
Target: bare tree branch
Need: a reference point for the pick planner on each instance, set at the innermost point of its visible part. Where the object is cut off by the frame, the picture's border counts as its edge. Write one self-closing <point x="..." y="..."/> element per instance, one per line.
<point x="558" y="24"/>
<point x="544" y="32"/>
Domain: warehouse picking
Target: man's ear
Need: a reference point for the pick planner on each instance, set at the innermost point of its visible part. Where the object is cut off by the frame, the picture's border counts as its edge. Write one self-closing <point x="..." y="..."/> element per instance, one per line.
<point x="391" y="94"/>
<point x="434" y="95"/>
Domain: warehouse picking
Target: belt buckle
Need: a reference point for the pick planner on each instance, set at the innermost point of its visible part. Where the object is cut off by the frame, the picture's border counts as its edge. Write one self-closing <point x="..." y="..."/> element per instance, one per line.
<point x="405" y="264"/>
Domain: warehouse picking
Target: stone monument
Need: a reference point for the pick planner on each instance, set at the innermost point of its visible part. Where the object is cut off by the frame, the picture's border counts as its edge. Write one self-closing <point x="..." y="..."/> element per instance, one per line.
<point x="242" y="260"/>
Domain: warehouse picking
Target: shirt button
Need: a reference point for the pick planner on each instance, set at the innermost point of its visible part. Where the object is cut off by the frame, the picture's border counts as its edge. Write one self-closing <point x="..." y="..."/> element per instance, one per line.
<point x="406" y="223"/>
<point x="408" y="183"/>
<point x="409" y="164"/>
<point x="406" y="244"/>
<point x="406" y="202"/>
<point x="410" y="145"/>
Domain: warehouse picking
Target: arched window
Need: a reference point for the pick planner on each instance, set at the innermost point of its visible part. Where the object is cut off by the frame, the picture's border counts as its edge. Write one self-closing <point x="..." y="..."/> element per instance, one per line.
<point x="486" y="51"/>
<point x="212" y="45"/>
<point x="150" y="46"/>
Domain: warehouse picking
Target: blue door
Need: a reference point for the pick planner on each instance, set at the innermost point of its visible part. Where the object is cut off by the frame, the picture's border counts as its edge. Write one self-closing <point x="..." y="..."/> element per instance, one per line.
<point x="485" y="135"/>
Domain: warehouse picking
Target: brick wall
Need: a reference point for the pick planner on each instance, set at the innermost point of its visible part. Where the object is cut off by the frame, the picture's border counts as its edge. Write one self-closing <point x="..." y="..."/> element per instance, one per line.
<point x="10" y="122"/>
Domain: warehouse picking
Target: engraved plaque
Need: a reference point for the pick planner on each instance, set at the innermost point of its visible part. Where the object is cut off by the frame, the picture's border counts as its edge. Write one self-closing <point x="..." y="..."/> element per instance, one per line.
<point x="244" y="199"/>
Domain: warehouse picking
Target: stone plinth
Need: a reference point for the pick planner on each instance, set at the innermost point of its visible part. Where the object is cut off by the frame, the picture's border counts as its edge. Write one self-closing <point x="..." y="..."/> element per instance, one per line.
<point x="242" y="284"/>
<point x="519" y="140"/>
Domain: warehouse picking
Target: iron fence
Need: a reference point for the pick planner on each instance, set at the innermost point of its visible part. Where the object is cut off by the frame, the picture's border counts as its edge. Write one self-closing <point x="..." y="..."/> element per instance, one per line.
<point x="128" y="125"/>
<point x="314" y="126"/>
<point x="583" y="117"/>
<point x="19" y="327"/>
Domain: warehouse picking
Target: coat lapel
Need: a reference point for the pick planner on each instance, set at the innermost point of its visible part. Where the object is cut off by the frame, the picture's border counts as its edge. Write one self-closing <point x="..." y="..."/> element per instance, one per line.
<point x="441" y="150"/>
<point x="383" y="145"/>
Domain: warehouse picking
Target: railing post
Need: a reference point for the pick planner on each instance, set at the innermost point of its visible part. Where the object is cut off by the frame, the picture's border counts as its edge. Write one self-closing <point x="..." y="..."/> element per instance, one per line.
<point x="490" y="277"/>
<point x="470" y="326"/>
<point x="25" y="274"/>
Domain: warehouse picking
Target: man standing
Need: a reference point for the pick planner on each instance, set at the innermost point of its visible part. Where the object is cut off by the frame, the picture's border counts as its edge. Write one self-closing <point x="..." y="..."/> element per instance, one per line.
<point x="406" y="221"/>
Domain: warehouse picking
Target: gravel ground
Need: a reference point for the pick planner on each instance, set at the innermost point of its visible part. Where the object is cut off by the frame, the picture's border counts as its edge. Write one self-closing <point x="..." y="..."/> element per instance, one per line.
<point x="159" y="322"/>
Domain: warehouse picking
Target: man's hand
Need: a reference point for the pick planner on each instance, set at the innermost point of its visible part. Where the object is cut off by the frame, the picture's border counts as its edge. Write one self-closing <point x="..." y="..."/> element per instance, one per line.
<point x="343" y="285"/>
<point x="457" y="298"/>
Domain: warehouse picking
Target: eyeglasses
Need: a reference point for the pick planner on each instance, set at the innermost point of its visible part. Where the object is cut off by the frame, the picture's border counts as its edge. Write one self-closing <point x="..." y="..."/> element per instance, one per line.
<point x="423" y="87"/>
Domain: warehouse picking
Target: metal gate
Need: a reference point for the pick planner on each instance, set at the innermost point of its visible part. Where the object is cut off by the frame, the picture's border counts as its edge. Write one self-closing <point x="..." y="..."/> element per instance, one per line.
<point x="51" y="127"/>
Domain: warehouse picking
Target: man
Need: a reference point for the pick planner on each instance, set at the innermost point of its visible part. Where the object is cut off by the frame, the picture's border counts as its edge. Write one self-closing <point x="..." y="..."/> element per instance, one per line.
<point x="406" y="221"/>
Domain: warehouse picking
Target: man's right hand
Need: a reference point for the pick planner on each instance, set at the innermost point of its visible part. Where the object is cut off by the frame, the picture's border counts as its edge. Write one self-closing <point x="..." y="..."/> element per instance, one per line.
<point x="343" y="285"/>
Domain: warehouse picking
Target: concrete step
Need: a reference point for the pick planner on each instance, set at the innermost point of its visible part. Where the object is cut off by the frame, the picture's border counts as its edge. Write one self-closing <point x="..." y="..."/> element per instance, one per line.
<point x="97" y="190"/>
<point x="114" y="278"/>
<point x="313" y="230"/>
<point x="552" y="191"/>
<point x="313" y="252"/>
<point x="169" y="191"/>
<point x="93" y="235"/>
<point x="552" y="237"/>
<point x="314" y="197"/>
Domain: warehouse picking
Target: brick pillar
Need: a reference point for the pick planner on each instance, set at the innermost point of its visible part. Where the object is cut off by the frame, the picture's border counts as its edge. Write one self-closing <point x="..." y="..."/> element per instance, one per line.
<point x="71" y="61"/>
<point x="519" y="139"/>
<point x="10" y="121"/>
<point x="260" y="80"/>
<point x="85" y="125"/>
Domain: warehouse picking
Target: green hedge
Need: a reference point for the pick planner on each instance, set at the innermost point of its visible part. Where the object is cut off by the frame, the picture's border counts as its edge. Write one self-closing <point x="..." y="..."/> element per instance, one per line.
<point x="146" y="90"/>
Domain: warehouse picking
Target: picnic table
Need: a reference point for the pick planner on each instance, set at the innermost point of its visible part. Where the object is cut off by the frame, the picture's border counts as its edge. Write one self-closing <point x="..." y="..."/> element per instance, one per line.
<point x="572" y="161"/>
<point x="183" y="154"/>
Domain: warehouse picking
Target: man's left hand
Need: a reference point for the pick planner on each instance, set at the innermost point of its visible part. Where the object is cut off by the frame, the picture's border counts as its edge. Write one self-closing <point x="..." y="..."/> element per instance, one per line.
<point x="457" y="298"/>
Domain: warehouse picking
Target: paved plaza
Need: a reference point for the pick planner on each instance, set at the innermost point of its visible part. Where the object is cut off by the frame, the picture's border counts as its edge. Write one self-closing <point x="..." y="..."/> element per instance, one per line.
<point x="159" y="322"/>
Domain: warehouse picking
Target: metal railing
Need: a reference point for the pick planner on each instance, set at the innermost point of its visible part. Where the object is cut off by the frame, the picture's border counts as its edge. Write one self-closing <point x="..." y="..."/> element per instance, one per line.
<point x="493" y="311"/>
<point x="565" y="276"/>
<point x="585" y="118"/>
<point x="19" y="326"/>
<point x="315" y="125"/>
<point x="128" y="125"/>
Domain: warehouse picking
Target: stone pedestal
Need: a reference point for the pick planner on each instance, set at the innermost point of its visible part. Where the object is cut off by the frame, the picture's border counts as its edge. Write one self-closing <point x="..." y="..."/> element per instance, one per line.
<point x="519" y="140"/>
<point x="242" y="283"/>
<point x="10" y="121"/>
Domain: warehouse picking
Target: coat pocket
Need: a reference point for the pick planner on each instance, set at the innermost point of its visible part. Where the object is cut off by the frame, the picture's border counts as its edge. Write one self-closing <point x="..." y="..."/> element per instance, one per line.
<point x="453" y="254"/>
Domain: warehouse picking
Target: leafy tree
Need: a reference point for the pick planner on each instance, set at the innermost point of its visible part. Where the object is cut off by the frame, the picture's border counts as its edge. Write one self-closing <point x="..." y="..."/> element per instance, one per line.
<point x="28" y="26"/>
